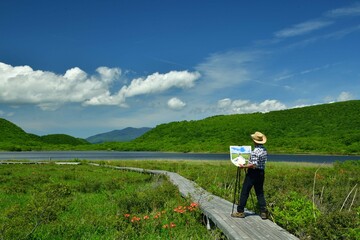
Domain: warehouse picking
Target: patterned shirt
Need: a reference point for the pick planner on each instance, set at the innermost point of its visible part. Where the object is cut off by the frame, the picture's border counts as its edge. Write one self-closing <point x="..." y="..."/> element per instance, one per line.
<point x="259" y="157"/>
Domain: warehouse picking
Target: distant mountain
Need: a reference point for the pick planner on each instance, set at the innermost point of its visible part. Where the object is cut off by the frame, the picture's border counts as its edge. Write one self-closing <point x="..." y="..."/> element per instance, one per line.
<point x="124" y="135"/>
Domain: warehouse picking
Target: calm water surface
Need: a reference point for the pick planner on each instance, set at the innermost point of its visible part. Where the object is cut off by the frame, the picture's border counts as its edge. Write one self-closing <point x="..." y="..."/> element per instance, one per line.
<point x="114" y="155"/>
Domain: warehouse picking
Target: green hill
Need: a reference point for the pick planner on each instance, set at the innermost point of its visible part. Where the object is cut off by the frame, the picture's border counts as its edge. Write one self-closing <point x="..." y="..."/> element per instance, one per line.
<point x="62" y="139"/>
<point x="13" y="138"/>
<point x="9" y="132"/>
<point x="327" y="128"/>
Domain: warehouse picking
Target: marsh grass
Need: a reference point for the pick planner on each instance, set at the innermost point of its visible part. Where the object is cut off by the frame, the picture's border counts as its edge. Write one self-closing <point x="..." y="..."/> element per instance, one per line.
<point x="87" y="202"/>
<point x="312" y="201"/>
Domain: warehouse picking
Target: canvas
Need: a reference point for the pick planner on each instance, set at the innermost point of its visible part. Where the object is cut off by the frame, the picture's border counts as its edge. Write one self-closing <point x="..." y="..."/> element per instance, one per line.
<point x="240" y="154"/>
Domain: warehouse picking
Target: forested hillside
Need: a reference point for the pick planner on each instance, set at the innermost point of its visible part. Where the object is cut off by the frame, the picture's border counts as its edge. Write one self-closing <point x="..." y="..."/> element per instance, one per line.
<point x="13" y="138"/>
<point x="328" y="128"/>
<point x="62" y="139"/>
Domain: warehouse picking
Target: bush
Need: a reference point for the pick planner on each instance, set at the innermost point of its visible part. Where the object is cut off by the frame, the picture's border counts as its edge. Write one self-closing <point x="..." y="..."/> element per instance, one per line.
<point x="294" y="212"/>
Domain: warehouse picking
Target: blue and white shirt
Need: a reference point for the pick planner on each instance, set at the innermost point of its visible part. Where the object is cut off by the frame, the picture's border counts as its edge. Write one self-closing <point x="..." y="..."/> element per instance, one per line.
<point x="259" y="156"/>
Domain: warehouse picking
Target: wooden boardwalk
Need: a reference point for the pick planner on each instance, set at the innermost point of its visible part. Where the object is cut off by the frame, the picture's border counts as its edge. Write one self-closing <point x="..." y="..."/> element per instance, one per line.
<point x="218" y="210"/>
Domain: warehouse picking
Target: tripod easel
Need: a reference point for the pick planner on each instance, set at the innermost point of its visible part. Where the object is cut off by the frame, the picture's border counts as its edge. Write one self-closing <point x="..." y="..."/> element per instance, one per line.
<point x="237" y="187"/>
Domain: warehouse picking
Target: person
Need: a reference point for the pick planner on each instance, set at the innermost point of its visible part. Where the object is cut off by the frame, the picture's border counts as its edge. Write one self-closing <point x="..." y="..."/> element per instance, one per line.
<point x="255" y="176"/>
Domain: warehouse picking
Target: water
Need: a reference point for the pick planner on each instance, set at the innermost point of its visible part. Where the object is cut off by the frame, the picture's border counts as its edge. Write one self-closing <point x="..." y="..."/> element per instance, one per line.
<point x="114" y="155"/>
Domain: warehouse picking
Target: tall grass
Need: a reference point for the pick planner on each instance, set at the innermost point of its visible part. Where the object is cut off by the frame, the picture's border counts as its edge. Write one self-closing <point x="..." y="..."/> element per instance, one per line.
<point x="86" y="202"/>
<point x="312" y="201"/>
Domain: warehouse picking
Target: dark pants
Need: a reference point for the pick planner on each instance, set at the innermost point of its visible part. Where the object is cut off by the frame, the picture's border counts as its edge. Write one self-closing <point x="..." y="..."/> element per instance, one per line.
<point x="254" y="177"/>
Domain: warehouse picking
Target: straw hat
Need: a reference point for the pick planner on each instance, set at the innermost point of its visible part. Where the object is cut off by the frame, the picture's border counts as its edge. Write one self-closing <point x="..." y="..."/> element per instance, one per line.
<point x="259" y="138"/>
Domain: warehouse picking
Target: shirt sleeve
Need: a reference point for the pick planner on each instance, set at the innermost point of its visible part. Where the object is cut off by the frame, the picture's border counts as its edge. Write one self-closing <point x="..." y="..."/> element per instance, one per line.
<point x="254" y="158"/>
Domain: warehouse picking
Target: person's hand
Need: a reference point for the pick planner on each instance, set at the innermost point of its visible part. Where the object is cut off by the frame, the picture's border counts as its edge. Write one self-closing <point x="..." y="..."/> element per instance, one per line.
<point x="241" y="166"/>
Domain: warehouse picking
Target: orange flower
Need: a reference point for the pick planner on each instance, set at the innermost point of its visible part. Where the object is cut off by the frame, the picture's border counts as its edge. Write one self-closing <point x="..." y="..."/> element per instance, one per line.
<point x="135" y="219"/>
<point x="172" y="225"/>
<point x="194" y="204"/>
<point x="146" y="217"/>
<point x="180" y="209"/>
<point x="166" y="226"/>
<point x="127" y="215"/>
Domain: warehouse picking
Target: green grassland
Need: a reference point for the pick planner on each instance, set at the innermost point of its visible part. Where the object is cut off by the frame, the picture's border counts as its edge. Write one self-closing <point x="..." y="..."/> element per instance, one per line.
<point x="51" y="201"/>
<point x="311" y="201"/>
<point x="328" y="128"/>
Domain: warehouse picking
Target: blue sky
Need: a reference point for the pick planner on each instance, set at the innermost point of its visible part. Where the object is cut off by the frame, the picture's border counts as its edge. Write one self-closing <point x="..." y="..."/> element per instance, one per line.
<point x="88" y="67"/>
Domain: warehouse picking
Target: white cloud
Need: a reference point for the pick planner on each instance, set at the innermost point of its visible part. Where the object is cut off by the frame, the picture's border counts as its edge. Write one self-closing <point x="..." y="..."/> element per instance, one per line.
<point x="303" y="28"/>
<point x="345" y="96"/>
<point x="155" y="83"/>
<point x="176" y="104"/>
<point x="47" y="90"/>
<point x="224" y="103"/>
<point x="23" y="85"/>
<point x="245" y="106"/>
<point x="226" y="69"/>
<point x="6" y="114"/>
<point x="353" y="10"/>
<point x="160" y="82"/>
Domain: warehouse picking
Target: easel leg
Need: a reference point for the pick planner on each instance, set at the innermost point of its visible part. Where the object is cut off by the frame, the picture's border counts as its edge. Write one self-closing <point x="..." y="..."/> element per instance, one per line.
<point x="236" y="188"/>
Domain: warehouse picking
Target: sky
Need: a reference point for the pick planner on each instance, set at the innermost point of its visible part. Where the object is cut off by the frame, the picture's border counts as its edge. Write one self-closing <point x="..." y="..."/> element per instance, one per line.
<point x="87" y="67"/>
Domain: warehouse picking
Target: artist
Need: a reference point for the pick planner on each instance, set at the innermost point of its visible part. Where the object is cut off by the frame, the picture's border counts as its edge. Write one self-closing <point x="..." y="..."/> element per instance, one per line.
<point x="255" y="176"/>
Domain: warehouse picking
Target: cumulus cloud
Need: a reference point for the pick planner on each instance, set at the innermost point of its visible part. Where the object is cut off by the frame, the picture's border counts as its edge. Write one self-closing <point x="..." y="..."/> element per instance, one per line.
<point x="176" y="104"/>
<point x="245" y="106"/>
<point x="23" y="85"/>
<point x="152" y="84"/>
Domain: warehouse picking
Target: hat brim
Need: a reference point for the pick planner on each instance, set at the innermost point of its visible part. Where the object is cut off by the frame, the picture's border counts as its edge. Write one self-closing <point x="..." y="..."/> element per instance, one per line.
<point x="263" y="141"/>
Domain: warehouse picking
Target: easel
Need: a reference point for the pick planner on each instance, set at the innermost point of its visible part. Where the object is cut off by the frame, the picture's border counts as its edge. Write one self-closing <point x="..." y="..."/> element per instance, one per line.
<point x="237" y="188"/>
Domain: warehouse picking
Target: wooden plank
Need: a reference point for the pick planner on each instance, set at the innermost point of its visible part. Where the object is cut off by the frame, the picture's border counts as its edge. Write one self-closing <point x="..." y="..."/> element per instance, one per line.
<point x="218" y="210"/>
